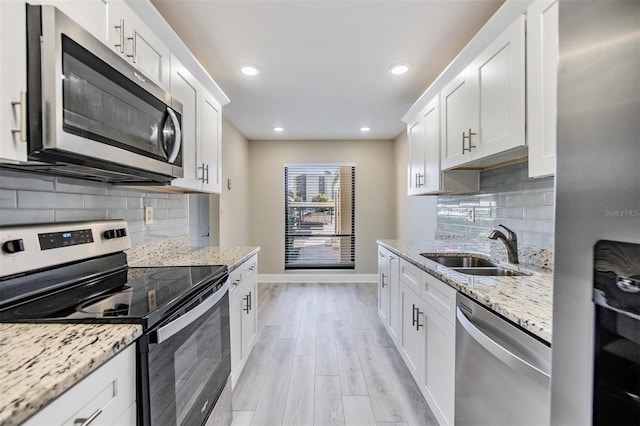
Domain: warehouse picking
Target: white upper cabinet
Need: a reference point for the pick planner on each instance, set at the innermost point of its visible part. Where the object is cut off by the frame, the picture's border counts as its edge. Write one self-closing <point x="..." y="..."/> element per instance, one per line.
<point x="201" y="133"/>
<point x="483" y="116"/>
<point x="210" y="154"/>
<point x="130" y="37"/>
<point x="185" y="88"/>
<point x="457" y="119"/>
<point x="13" y="82"/>
<point x="542" y="82"/>
<point x="415" y="172"/>
<point x="425" y="175"/>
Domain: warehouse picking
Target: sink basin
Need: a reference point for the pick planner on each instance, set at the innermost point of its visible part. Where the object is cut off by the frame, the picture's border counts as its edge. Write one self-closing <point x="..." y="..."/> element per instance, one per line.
<point x="490" y="272"/>
<point x="462" y="261"/>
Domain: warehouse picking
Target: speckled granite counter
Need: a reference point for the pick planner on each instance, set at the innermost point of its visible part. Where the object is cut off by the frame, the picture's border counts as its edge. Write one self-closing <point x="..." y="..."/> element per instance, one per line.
<point x="525" y="300"/>
<point x="38" y="362"/>
<point x="177" y="252"/>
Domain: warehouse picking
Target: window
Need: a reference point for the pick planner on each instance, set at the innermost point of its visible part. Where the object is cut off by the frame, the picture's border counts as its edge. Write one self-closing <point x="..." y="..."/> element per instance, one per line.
<point x="319" y="216"/>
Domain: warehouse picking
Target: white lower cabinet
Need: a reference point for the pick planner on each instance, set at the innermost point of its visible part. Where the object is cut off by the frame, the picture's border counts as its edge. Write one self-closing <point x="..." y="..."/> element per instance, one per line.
<point x="438" y="382"/>
<point x="108" y="396"/>
<point x="243" y="315"/>
<point x="412" y="336"/>
<point x="420" y="317"/>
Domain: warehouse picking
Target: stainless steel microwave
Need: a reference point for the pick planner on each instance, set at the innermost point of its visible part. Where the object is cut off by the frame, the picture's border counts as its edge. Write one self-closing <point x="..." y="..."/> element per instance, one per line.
<point x="91" y="114"/>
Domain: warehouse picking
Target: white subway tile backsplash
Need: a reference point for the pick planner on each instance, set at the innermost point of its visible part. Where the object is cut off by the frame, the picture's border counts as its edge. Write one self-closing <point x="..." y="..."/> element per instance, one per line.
<point x="49" y="200"/>
<point x="74" y="215"/>
<point x="8" y="199"/>
<point x="31" y="182"/>
<point x="30" y="198"/>
<point x="507" y="196"/>
<point x="104" y="202"/>
<point x="20" y="216"/>
<point x="71" y="186"/>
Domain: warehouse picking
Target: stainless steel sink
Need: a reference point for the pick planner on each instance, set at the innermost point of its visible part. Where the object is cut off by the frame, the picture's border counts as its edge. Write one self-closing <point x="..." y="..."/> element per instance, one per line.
<point x="474" y="265"/>
<point x="462" y="261"/>
<point x="490" y="272"/>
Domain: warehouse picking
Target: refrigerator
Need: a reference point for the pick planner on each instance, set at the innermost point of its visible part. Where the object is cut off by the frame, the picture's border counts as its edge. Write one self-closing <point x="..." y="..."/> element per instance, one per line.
<point x="597" y="180"/>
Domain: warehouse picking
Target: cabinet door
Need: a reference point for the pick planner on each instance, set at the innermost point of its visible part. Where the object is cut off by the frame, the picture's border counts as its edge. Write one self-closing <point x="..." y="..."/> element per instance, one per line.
<point x="13" y="73"/>
<point x="415" y="170"/>
<point x="235" y="324"/>
<point x="383" y="284"/>
<point x="439" y="379"/>
<point x="210" y="155"/>
<point x="457" y="115"/>
<point x="542" y="86"/>
<point x="185" y="89"/>
<point x="498" y="76"/>
<point x="412" y="346"/>
<point x="249" y="317"/>
<point x="431" y="131"/>
<point x="130" y="37"/>
<point x="394" y="296"/>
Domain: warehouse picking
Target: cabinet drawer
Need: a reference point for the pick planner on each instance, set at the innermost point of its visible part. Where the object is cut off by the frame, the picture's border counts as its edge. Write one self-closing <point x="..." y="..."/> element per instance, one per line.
<point x="247" y="269"/>
<point x="109" y="391"/>
<point x="439" y="295"/>
<point x="410" y="275"/>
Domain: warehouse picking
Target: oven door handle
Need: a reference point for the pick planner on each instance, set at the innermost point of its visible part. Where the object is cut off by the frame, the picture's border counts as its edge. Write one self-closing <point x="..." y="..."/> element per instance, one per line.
<point x="165" y="332"/>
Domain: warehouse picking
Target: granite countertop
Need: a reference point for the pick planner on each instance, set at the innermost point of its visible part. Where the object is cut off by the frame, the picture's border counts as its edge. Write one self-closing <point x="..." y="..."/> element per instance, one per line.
<point x="177" y="252"/>
<point x="38" y="362"/>
<point x="525" y="300"/>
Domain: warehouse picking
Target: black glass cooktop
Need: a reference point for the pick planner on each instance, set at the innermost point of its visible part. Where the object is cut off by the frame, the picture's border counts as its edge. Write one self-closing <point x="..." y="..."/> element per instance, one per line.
<point x="141" y="295"/>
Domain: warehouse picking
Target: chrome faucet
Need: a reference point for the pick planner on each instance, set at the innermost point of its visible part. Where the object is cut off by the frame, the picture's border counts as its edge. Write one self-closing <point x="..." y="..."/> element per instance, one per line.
<point x="511" y="242"/>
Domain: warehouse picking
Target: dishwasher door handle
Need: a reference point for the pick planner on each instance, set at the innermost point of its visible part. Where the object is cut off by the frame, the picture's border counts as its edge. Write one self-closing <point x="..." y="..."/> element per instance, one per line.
<point x="500" y="352"/>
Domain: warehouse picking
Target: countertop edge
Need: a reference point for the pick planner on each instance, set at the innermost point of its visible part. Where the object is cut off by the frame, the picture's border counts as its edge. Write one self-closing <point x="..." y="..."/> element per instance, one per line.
<point x="460" y="282"/>
<point x="45" y="389"/>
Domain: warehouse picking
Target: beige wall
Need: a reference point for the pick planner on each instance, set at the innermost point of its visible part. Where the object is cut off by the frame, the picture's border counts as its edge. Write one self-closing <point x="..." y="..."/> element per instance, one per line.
<point x="375" y="194"/>
<point x="415" y="215"/>
<point x="233" y="204"/>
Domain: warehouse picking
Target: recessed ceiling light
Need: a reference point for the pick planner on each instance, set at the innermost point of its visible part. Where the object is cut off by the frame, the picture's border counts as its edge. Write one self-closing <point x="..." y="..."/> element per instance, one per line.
<point x="278" y="129"/>
<point x="398" y="69"/>
<point x="250" y="70"/>
<point x="364" y="129"/>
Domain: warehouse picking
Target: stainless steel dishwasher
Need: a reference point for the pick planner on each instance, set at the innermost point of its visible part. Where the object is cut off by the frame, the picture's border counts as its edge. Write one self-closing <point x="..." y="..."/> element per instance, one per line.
<point x="502" y="373"/>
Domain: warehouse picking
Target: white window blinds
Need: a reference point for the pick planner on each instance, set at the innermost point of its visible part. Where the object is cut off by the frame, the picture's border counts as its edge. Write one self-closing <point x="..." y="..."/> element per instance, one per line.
<point x="319" y="216"/>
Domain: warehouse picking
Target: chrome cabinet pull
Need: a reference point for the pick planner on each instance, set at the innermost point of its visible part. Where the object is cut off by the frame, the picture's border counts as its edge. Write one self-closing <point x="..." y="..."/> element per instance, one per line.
<point x="85" y="421"/>
<point x="383" y="283"/>
<point x="23" y="116"/>
<point x="134" y="50"/>
<point x="250" y="301"/>
<point x="464" y="137"/>
<point x="419" y="180"/>
<point x="120" y="29"/>
<point x="413" y="320"/>
<point x="418" y="313"/>
<point x="205" y="173"/>
<point x="247" y="306"/>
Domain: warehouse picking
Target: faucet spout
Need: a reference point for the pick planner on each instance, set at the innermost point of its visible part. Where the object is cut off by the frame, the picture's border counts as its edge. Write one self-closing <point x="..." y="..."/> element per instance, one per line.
<point x="510" y="241"/>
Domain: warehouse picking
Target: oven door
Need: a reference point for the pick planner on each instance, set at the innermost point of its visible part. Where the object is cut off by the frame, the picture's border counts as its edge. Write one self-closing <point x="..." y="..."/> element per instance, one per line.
<point x="87" y="104"/>
<point x="188" y="361"/>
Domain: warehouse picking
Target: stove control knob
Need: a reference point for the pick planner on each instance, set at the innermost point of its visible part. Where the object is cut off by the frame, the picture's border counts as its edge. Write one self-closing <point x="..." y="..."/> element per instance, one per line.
<point x="114" y="233"/>
<point x="13" y="246"/>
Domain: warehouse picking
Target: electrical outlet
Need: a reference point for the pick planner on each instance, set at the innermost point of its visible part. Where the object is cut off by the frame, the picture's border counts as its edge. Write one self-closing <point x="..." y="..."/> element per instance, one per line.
<point x="471" y="215"/>
<point x="148" y="215"/>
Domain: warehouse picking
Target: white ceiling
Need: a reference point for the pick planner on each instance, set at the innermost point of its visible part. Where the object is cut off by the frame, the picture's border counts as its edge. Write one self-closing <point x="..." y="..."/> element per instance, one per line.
<point x="324" y="63"/>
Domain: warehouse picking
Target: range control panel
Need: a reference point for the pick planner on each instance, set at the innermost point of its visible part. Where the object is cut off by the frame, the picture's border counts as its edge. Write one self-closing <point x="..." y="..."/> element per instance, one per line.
<point x="25" y="248"/>
<point x="51" y="240"/>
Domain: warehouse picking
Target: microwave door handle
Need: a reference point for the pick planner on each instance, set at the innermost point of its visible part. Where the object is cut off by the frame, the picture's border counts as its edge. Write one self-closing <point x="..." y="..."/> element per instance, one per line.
<point x="177" y="140"/>
<point x="165" y="332"/>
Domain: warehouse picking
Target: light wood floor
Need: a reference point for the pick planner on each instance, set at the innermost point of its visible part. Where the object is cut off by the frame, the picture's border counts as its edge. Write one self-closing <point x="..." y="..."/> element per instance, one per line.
<point x="323" y="357"/>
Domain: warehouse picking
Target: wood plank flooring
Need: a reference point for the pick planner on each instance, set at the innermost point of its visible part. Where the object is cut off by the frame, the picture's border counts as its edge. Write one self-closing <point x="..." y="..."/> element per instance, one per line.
<point x="323" y="357"/>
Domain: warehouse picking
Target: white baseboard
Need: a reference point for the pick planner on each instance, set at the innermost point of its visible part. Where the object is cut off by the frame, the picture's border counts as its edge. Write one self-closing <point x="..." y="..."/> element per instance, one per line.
<point x="317" y="277"/>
